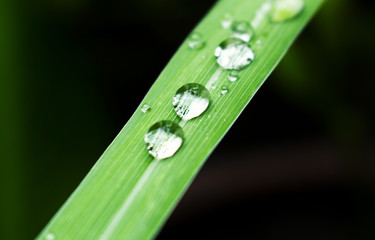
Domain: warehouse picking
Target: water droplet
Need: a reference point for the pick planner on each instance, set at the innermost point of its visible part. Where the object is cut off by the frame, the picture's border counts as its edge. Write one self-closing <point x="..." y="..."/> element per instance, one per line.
<point x="282" y="10"/>
<point x="242" y="30"/>
<point x="258" y="44"/>
<point x="145" y="108"/>
<point x="233" y="76"/>
<point x="224" y="90"/>
<point x="196" y="41"/>
<point x="191" y="100"/>
<point x="234" y="54"/>
<point x="50" y="236"/>
<point x="163" y="139"/>
<point x="226" y="21"/>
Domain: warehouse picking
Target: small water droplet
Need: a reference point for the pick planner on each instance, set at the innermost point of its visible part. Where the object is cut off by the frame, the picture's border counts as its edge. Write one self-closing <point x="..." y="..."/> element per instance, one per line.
<point x="282" y="10"/>
<point x="196" y="41"/>
<point x="233" y="76"/>
<point x="50" y="236"/>
<point x="226" y="21"/>
<point x="163" y="139"/>
<point x="145" y="108"/>
<point x="191" y="100"/>
<point x="242" y="30"/>
<point x="258" y="44"/>
<point x="234" y="54"/>
<point x="224" y="90"/>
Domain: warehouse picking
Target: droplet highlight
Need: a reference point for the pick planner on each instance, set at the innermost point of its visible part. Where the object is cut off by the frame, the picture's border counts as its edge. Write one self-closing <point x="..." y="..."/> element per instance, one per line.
<point x="191" y="100"/>
<point x="233" y="76"/>
<point x="242" y="30"/>
<point x="163" y="139"/>
<point x="145" y="108"/>
<point x="282" y="10"/>
<point x="226" y="21"/>
<point x="196" y="41"/>
<point x="234" y="54"/>
<point x="50" y="236"/>
<point x="224" y="90"/>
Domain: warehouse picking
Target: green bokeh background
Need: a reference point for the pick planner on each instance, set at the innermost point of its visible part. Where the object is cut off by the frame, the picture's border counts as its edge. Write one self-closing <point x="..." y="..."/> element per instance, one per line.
<point x="72" y="73"/>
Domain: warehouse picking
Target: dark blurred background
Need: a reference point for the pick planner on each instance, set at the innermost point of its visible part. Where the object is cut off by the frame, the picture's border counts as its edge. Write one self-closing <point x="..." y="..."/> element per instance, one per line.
<point x="72" y="72"/>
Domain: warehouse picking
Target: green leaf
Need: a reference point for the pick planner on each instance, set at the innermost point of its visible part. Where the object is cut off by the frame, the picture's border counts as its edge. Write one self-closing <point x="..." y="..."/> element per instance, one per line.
<point x="129" y="195"/>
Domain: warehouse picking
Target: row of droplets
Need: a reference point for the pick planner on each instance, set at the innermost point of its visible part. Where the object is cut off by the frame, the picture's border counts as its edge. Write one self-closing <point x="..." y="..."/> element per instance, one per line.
<point x="165" y="137"/>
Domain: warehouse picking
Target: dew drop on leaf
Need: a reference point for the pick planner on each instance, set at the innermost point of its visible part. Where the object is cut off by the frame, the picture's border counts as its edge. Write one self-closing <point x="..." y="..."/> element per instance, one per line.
<point x="257" y="45"/>
<point x="163" y="139"/>
<point x="233" y="76"/>
<point x="234" y="54"/>
<point x="242" y="30"/>
<point x="50" y="236"/>
<point x="224" y="90"/>
<point x="145" y="108"/>
<point x="282" y="10"/>
<point x="191" y="100"/>
<point x="196" y="41"/>
<point x="226" y="21"/>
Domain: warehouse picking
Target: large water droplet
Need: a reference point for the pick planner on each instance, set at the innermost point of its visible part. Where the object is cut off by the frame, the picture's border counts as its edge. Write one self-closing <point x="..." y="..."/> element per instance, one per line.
<point x="226" y="21"/>
<point x="233" y="76"/>
<point x="163" y="139"/>
<point x="196" y="41"/>
<point x="282" y="10"/>
<point x="242" y="30"/>
<point x="145" y="108"/>
<point x="234" y="54"/>
<point x="191" y="100"/>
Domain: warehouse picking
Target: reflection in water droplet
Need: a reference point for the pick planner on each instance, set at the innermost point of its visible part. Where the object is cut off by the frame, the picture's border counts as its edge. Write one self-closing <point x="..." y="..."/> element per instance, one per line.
<point x="191" y="100"/>
<point x="234" y="54"/>
<point x="145" y="108"/>
<point x="163" y="139"/>
<point x="226" y="21"/>
<point x="233" y="76"/>
<point x="196" y="41"/>
<point x="50" y="236"/>
<point x="282" y="10"/>
<point x="224" y="90"/>
<point x="242" y="30"/>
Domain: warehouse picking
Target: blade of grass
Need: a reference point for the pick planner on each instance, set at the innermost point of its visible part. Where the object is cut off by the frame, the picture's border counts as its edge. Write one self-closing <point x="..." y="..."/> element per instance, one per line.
<point x="127" y="195"/>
